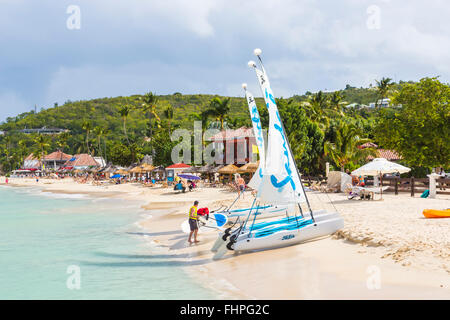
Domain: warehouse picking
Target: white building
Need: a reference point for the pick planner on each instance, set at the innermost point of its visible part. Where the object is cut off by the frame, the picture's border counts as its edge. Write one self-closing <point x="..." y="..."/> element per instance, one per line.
<point x="383" y="103"/>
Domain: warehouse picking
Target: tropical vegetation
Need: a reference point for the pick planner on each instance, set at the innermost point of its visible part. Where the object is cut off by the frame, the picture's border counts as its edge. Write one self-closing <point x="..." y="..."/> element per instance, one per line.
<point x="322" y="127"/>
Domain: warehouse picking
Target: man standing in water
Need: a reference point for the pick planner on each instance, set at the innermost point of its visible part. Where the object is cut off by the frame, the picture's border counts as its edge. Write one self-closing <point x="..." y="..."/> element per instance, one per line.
<point x="193" y="222"/>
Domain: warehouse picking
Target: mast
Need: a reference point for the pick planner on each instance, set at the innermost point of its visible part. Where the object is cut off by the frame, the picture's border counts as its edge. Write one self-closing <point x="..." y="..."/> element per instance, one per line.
<point x="257" y="53"/>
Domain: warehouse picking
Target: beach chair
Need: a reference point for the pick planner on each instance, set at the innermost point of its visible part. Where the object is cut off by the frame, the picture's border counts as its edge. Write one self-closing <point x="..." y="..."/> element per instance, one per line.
<point x="365" y="192"/>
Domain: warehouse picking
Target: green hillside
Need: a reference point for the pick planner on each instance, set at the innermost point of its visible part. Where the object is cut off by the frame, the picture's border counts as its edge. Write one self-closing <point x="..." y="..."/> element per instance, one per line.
<point x="319" y="126"/>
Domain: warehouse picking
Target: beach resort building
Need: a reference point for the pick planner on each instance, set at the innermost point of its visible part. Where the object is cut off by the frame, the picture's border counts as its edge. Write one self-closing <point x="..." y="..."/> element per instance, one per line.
<point x="81" y="161"/>
<point x="101" y="162"/>
<point x="234" y="146"/>
<point x="390" y="155"/>
<point x="175" y="169"/>
<point x="44" y="130"/>
<point x="382" y="103"/>
<point x="56" y="160"/>
<point x="31" y="162"/>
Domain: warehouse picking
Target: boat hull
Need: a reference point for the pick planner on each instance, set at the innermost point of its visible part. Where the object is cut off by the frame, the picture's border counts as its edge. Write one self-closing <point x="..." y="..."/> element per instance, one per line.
<point x="324" y="225"/>
<point x="433" y="213"/>
<point x="319" y="215"/>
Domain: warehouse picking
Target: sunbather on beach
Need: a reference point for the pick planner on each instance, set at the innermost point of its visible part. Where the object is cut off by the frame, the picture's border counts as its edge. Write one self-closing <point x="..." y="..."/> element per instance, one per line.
<point x="193" y="222"/>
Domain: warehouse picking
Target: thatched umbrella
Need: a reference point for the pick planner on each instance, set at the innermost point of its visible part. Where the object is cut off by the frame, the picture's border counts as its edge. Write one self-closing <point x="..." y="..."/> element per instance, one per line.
<point x="228" y="169"/>
<point x="121" y="172"/>
<point x="192" y="170"/>
<point x="250" y="167"/>
<point x="148" y="168"/>
<point x="207" y="168"/>
<point x="137" y="169"/>
<point x="216" y="169"/>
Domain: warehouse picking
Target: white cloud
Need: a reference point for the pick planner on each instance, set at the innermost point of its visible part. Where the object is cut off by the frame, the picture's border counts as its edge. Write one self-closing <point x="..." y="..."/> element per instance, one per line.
<point x="202" y="46"/>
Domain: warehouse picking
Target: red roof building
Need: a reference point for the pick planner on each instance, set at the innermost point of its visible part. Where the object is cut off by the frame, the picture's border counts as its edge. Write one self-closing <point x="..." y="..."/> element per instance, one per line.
<point x="58" y="156"/>
<point x="81" y="161"/>
<point x="233" y="146"/>
<point x="390" y="155"/>
<point x="31" y="162"/>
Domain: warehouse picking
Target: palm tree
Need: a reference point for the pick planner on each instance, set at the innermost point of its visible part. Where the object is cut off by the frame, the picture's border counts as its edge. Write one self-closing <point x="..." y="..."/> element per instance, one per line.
<point x="337" y="102"/>
<point x="22" y="148"/>
<point x="318" y="110"/>
<point x="41" y="149"/>
<point x="99" y="132"/>
<point x="124" y="111"/>
<point x="7" y="151"/>
<point x="148" y="106"/>
<point x="62" y="141"/>
<point x="346" y="147"/>
<point x="168" y="113"/>
<point x="219" y="109"/>
<point x="87" y="127"/>
<point x="383" y="88"/>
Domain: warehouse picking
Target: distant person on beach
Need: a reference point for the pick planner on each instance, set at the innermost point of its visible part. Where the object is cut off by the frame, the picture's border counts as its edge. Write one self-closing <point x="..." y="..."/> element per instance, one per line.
<point x="443" y="176"/>
<point x="241" y="186"/>
<point x="193" y="222"/>
<point x="361" y="181"/>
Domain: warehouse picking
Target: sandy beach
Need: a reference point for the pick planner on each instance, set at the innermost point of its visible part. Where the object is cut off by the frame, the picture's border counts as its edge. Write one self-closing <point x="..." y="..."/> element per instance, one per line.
<point x="387" y="249"/>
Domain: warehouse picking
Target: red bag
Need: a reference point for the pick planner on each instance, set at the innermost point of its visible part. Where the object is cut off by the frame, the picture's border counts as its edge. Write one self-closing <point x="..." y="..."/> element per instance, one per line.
<point x="203" y="211"/>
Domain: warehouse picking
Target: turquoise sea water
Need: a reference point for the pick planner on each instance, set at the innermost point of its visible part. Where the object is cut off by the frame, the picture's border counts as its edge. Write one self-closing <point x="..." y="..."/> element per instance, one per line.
<point x="42" y="237"/>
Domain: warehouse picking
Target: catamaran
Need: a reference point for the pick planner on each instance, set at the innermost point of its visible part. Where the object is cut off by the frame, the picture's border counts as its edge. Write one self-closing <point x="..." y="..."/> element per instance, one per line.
<point x="280" y="184"/>
<point x="221" y="216"/>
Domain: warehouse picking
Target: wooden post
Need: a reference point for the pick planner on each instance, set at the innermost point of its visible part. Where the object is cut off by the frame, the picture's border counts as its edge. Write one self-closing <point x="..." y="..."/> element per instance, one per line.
<point x="396" y="186"/>
<point x="412" y="186"/>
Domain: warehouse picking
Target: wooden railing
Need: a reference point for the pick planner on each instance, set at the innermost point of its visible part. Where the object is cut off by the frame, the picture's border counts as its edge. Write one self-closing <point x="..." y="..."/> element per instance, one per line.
<point x="415" y="185"/>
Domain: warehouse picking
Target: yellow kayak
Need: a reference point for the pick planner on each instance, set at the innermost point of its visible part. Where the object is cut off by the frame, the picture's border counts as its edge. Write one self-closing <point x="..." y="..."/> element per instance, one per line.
<point x="433" y="213"/>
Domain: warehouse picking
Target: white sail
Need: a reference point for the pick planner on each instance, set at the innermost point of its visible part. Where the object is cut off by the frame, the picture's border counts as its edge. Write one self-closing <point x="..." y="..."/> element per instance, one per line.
<point x="255" y="182"/>
<point x="280" y="181"/>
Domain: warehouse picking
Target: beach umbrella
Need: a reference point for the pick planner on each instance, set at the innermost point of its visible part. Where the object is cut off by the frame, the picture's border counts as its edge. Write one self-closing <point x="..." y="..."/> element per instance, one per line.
<point x="137" y="169"/>
<point x="228" y="169"/>
<point x="216" y="169"/>
<point x="115" y="176"/>
<point x="148" y="168"/>
<point x="206" y="168"/>
<point x="121" y="172"/>
<point x="189" y="177"/>
<point x="250" y="167"/>
<point x="380" y="166"/>
<point x="192" y="170"/>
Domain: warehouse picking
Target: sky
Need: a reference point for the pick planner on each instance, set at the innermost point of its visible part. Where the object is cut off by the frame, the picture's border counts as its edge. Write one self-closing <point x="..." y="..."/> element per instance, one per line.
<point x="54" y="51"/>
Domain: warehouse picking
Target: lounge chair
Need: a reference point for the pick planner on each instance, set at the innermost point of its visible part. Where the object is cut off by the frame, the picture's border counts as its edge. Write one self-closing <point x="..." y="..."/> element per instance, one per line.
<point x="365" y="192"/>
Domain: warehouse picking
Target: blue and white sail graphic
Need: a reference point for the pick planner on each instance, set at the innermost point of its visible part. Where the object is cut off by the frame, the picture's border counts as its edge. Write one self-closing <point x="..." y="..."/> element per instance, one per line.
<point x="280" y="181"/>
<point x="255" y="182"/>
